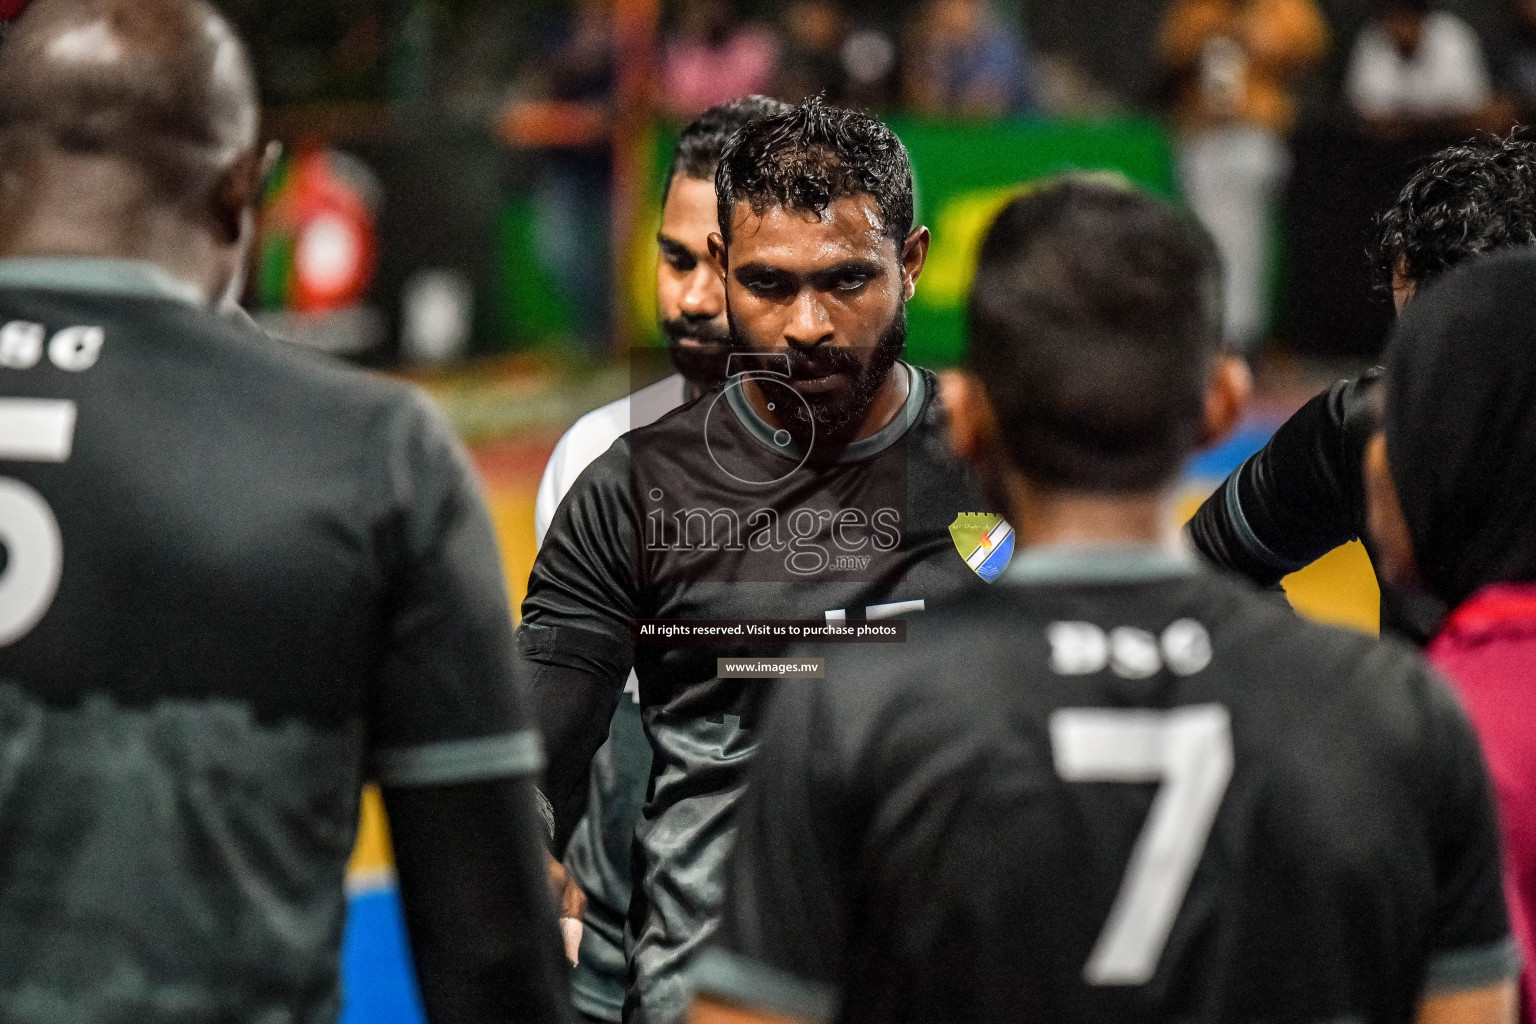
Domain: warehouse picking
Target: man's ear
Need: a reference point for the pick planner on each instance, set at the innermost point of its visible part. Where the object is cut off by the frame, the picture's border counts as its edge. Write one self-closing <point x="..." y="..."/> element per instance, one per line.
<point x="1403" y="286"/>
<point x="237" y="191"/>
<point x="914" y="253"/>
<point x="972" y="424"/>
<point x="1394" y="554"/>
<point x="1226" y="399"/>
<point x="717" y="253"/>
<point x="270" y="155"/>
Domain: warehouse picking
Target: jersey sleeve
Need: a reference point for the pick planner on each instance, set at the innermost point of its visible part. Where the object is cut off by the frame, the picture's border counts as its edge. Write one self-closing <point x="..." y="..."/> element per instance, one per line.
<point x="783" y="935"/>
<point x="574" y="644"/>
<point x="1471" y="946"/>
<point x="1298" y="497"/>
<point x="445" y="709"/>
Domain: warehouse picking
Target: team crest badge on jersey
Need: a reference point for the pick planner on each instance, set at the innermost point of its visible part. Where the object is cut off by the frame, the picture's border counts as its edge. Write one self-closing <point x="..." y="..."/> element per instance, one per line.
<point x="984" y="540"/>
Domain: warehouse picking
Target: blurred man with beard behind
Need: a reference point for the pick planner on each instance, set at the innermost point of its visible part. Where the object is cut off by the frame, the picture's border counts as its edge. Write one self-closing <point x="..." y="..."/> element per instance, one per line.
<point x="817" y="485"/>
<point x="691" y="303"/>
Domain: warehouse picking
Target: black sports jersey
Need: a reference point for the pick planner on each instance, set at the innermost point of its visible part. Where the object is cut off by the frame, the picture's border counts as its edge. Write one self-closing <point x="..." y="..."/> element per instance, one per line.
<point x="1302" y="495"/>
<point x="706" y="514"/>
<point x="599" y="861"/>
<point x="1114" y="788"/>
<point x="238" y="580"/>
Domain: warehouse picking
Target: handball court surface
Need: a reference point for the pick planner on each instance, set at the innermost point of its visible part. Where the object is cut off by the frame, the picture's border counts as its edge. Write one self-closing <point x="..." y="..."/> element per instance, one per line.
<point x="511" y="413"/>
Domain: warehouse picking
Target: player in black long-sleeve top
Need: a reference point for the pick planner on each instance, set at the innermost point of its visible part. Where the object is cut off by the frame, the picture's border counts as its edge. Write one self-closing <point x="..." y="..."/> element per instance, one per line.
<point x="1301" y="495"/>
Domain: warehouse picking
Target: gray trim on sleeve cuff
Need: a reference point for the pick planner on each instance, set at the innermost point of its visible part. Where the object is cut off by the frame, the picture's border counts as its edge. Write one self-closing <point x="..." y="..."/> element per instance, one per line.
<point x="546" y="811"/>
<point x="1244" y="529"/>
<point x="736" y="979"/>
<point x="459" y="761"/>
<point x="1458" y="970"/>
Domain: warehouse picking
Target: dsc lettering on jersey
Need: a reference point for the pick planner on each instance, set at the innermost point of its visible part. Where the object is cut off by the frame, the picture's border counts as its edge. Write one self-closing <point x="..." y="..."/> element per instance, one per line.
<point x="1083" y="648"/>
<point x="811" y="540"/>
<point x="73" y="348"/>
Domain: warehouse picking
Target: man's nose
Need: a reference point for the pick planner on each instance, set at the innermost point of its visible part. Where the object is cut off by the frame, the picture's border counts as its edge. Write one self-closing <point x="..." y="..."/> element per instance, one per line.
<point x="808" y="323"/>
<point x="704" y="296"/>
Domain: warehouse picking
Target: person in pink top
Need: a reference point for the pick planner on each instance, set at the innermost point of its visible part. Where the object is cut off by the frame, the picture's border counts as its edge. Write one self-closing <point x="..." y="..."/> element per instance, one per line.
<point x="1451" y="492"/>
<point x="711" y="58"/>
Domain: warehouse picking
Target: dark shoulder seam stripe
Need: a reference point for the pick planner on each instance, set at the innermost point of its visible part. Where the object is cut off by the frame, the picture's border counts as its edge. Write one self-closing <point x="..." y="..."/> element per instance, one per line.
<point x="458" y="761"/>
<point x="1459" y="970"/>
<point x="752" y="983"/>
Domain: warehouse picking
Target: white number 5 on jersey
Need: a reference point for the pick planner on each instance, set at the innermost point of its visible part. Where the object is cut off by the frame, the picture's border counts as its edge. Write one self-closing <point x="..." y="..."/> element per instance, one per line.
<point x="31" y="430"/>
<point x="1188" y="750"/>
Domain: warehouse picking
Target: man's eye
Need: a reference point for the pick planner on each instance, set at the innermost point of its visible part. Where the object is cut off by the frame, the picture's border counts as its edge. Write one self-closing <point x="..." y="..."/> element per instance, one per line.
<point x="851" y="282"/>
<point x="765" y="287"/>
<point x="681" y="262"/>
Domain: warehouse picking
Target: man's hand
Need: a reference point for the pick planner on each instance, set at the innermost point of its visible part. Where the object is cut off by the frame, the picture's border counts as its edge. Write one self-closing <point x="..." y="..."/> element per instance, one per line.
<point x="572" y="902"/>
<point x="1496" y="1004"/>
<point x="710" y="1011"/>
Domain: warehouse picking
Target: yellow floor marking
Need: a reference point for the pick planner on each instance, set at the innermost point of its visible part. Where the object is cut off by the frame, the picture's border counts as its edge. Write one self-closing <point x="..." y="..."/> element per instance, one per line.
<point x="1339" y="588"/>
<point x="512" y="515"/>
<point x="372" y="852"/>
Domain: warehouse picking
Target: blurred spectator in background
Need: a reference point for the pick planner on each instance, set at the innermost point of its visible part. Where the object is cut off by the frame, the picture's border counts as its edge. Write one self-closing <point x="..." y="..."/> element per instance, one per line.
<point x="1066" y="87"/>
<point x="711" y="57"/>
<point x="869" y="59"/>
<point x="1412" y="65"/>
<point x="825" y="55"/>
<point x="963" y="60"/>
<point x="1233" y="67"/>
<point x="567" y="114"/>
<point x="814" y="32"/>
<point x="1520" y="70"/>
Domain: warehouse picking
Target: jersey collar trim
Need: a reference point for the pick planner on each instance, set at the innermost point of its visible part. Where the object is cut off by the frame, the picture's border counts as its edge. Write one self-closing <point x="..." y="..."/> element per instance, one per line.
<point x="99" y="276"/>
<point x="1099" y="563"/>
<point x="917" y="394"/>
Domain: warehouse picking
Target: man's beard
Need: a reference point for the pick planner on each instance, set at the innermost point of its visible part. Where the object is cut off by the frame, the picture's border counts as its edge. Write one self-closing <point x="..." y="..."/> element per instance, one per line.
<point x="703" y="365"/>
<point x="835" y="417"/>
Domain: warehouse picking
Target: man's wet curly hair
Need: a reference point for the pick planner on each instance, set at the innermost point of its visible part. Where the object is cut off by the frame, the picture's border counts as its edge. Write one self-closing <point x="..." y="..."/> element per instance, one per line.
<point x="1468" y="200"/>
<point x="810" y="156"/>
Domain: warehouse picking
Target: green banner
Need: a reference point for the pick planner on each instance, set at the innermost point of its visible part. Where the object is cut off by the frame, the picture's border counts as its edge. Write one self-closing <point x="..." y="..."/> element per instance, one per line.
<point x="966" y="173"/>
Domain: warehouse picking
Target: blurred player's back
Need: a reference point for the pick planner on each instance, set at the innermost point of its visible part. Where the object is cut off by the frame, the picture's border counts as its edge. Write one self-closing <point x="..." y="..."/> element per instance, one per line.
<point x="184" y="716"/>
<point x="1146" y="793"/>
<point x="237" y="582"/>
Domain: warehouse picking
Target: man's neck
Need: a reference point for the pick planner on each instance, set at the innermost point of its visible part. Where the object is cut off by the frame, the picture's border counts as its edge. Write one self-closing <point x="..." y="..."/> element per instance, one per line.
<point x="888" y="403"/>
<point x="1043" y="517"/>
<point x="96" y="209"/>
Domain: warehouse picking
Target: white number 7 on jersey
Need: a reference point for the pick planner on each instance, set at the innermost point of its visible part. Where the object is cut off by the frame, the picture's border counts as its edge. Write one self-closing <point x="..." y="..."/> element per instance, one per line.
<point x="1188" y="750"/>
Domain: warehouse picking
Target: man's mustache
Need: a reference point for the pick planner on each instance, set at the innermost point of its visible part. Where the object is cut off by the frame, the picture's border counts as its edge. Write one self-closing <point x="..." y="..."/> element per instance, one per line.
<point x="706" y="332"/>
<point x="810" y="365"/>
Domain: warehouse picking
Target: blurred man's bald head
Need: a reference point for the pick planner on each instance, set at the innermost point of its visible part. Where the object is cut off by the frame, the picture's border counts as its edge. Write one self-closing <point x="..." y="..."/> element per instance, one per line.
<point x="128" y="129"/>
<point x="162" y="83"/>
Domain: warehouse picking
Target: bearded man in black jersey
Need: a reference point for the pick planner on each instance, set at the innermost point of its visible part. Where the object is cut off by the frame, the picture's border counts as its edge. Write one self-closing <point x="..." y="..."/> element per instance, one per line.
<point x="1117" y="786"/>
<point x="691" y="302"/>
<point x="817" y="484"/>
<point x="1302" y="495"/>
